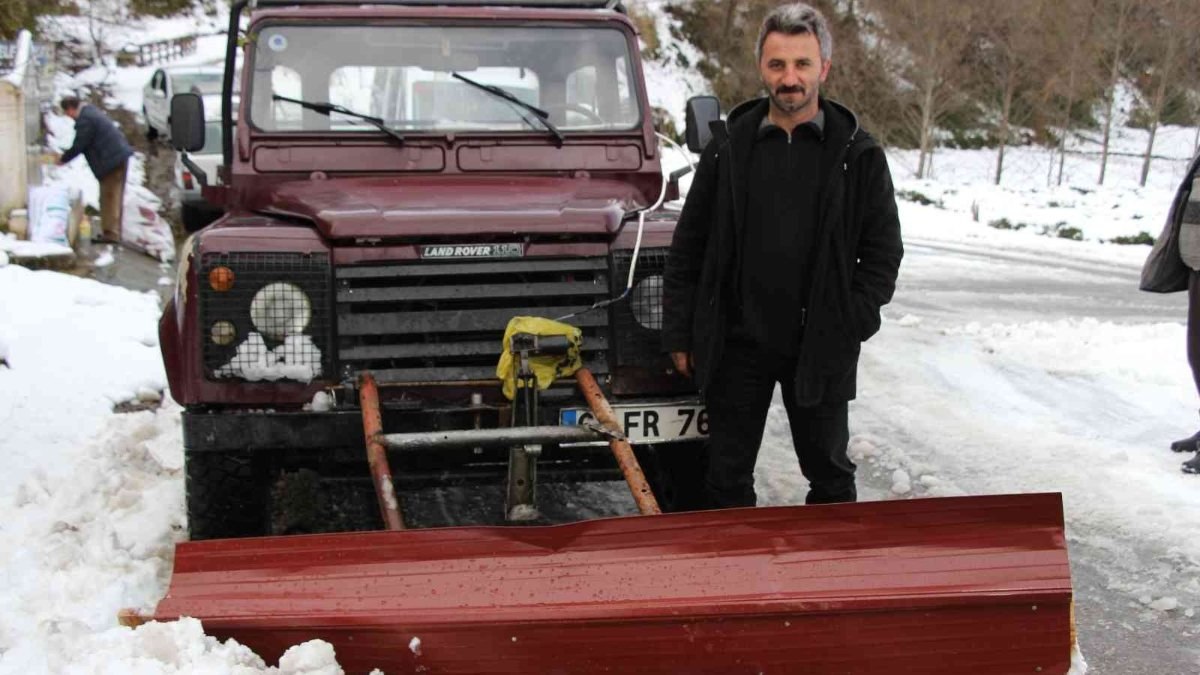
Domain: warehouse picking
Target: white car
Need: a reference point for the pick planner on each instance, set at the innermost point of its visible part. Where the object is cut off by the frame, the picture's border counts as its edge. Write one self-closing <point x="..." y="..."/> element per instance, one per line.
<point x="195" y="212"/>
<point x="171" y="80"/>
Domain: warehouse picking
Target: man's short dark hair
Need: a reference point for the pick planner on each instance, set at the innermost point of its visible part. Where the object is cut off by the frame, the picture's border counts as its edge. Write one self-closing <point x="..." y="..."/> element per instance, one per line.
<point x="796" y="18"/>
<point x="69" y="103"/>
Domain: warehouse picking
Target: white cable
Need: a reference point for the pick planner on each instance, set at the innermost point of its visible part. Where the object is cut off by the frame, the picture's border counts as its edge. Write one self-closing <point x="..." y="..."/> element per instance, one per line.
<point x="641" y="215"/>
<point x="637" y="244"/>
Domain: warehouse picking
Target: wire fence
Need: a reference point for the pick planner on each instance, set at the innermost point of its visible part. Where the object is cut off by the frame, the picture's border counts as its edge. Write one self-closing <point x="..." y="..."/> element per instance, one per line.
<point x="1035" y="166"/>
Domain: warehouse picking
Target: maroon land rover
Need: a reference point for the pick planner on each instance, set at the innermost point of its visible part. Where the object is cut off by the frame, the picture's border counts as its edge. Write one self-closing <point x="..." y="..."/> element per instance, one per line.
<point x="402" y="179"/>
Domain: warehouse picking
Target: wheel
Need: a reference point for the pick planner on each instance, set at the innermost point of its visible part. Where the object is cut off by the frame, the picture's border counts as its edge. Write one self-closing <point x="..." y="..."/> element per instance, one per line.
<point x="676" y="473"/>
<point x="303" y="501"/>
<point x="151" y="132"/>
<point x="227" y="495"/>
<point x="195" y="217"/>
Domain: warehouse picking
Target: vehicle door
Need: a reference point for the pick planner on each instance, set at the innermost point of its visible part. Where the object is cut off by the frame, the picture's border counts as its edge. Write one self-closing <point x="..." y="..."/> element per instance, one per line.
<point x="157" y="103"/>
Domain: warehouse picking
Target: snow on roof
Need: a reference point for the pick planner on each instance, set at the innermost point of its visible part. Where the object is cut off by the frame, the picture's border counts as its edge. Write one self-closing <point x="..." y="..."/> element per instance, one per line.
<point x="16" y="76"/>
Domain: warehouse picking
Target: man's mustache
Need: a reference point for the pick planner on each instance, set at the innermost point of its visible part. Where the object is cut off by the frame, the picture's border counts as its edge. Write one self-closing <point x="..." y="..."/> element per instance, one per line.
<point x="792" y="89"/>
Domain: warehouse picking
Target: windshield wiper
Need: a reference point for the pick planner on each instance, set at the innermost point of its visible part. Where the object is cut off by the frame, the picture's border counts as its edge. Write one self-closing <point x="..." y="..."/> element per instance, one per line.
<point x="539" y="114"/>
<point x="327" y="108"/>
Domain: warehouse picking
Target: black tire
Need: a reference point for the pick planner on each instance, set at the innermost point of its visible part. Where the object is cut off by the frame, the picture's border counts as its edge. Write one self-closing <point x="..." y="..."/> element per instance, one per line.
<point x="303" y="501"/>
<point x="195" y="218"/>
<point x="227" y="495"/>
<point x="676" y="474"/>
<point x="151" y="132"/>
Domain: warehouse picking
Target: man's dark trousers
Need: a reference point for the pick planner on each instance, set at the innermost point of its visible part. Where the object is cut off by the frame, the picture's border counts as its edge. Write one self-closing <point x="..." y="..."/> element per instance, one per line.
<point x="738" y="400"/>
<point x="1193" y="327"/>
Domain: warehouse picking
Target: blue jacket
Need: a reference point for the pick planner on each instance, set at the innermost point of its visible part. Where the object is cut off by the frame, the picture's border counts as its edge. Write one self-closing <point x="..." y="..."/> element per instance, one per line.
<point x="99" y="140"/>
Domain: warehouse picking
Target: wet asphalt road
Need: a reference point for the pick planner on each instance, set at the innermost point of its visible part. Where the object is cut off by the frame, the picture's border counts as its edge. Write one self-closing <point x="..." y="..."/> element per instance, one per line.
<point x="959" y="282"/>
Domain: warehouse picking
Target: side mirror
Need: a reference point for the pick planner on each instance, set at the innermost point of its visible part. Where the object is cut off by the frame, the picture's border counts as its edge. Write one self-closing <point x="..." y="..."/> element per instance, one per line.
<point x="187" y="122"/>
<point x="701" y="111"/>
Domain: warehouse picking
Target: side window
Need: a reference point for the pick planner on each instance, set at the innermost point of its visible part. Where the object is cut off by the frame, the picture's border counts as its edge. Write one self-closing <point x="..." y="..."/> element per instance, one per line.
<point x="162" y="81"/>
<point x="600" y="94"/>
<point x="627" y="113"/>
<point x="581" y="91"/>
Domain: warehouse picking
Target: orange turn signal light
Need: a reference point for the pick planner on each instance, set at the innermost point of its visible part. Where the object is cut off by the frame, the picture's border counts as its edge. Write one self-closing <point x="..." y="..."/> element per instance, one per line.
<point x="221" y="279"/>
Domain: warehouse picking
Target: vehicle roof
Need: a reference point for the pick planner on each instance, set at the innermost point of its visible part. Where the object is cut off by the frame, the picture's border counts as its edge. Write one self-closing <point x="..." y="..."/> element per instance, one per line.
<point x="349" y="12"/>
<point x="203" y="68"/>
<point x="616" y="5"/>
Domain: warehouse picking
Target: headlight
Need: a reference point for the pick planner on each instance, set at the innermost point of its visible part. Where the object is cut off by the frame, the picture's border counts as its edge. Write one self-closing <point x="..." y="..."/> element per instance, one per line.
<point x="646" y="302"/>
<point x="223" y="333"/>
<point x="280" y="309"/>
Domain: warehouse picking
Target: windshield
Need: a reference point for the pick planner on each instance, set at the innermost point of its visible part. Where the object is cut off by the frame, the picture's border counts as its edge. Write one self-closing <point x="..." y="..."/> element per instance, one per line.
<point x="404" y="75"/>
<point x="198" y="83"/>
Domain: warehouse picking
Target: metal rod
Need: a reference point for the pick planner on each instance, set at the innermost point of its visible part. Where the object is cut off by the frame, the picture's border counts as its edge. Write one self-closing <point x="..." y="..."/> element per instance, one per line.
<point x="132" y="618"/>
<point x="231" y="47"/>
<point x="381" y="473"/>
<point x="646" y="503"/>
<point x="489" y="438"/>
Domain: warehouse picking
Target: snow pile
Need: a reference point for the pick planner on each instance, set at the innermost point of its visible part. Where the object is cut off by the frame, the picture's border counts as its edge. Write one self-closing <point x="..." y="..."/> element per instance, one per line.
<point x="76" y="348"/>
<point x="10" y="245"/>
<point x="81" y="546"/>
<point x="1029" y="199"/>
<point x="669" y="84"/>
<point x="298" y="358"/>
<point x="1094" y="349"/>
<point x="92" y="503"/>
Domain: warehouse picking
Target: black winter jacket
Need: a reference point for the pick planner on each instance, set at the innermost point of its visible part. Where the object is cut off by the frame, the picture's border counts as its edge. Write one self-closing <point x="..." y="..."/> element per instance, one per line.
<point x="857" y="256"/>
<point x="99" y="141"/>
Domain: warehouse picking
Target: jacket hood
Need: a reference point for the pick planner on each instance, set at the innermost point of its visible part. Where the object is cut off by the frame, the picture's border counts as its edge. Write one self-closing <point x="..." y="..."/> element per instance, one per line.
<point x="467" y="206"/>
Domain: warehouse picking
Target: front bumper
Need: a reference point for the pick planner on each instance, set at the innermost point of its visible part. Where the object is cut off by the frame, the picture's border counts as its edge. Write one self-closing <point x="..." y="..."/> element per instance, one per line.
<point x="335" y="440"/>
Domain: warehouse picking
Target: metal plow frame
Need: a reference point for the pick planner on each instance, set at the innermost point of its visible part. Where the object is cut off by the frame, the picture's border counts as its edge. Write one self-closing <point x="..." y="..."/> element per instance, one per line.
<point x="958" y="585"/>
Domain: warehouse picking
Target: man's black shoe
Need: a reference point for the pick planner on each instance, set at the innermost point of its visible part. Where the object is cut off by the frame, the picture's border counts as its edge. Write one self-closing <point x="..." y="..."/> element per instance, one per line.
<point x="1192" y="465"/>
<point x="1189" y="444"/>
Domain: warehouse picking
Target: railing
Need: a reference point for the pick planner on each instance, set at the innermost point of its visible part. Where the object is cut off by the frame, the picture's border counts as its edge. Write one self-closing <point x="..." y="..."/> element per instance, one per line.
<point x="157" y="51"/>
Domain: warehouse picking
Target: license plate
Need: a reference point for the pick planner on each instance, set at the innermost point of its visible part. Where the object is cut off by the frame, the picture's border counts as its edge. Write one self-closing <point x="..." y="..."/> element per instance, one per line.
<point x="650" y="423"/>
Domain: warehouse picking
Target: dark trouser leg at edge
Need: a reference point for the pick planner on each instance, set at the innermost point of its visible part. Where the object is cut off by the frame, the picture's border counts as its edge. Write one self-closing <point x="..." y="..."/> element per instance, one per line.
<point x="737" y="402"/>
<point x="1193" y="352"/>
<point x="821" y="435"/>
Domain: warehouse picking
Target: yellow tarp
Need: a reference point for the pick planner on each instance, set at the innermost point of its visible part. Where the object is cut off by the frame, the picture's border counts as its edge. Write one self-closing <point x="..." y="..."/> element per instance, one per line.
<point x="545" y="368"/>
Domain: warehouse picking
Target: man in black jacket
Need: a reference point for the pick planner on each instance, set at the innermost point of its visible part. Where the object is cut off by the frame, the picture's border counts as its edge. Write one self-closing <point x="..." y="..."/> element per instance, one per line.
<point x="787" y="247"/>
<point x="99" y="140"/>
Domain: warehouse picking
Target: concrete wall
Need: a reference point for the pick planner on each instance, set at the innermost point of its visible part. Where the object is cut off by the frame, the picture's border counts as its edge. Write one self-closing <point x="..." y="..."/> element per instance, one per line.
<point x="14" y="160"/>
<point x="14" y="164"/>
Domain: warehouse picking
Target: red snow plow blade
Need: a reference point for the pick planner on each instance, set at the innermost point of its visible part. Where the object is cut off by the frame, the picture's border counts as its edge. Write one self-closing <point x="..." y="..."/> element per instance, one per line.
<point x="976" y="585"/>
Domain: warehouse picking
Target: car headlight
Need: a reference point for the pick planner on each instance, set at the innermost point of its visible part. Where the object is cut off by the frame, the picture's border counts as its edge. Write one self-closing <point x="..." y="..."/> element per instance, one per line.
<point x="646" y="302"/>
<point x="280" y="309"/>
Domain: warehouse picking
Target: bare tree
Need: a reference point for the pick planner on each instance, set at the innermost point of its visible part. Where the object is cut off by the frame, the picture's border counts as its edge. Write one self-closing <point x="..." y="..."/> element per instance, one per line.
<point x="723" y="33"/>
<point x="1171" y="49"/>
<point x="932" y="35"/>
<point x="103" y="16"/>
<point x="1010" y="37"/>
<point x="1118" y="17"/>
<point x="1071" y="27"/>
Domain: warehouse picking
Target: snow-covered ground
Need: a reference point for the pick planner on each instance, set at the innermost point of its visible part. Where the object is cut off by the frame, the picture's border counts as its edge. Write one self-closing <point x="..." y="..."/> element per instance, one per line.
<point x="1011" y="361"/>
